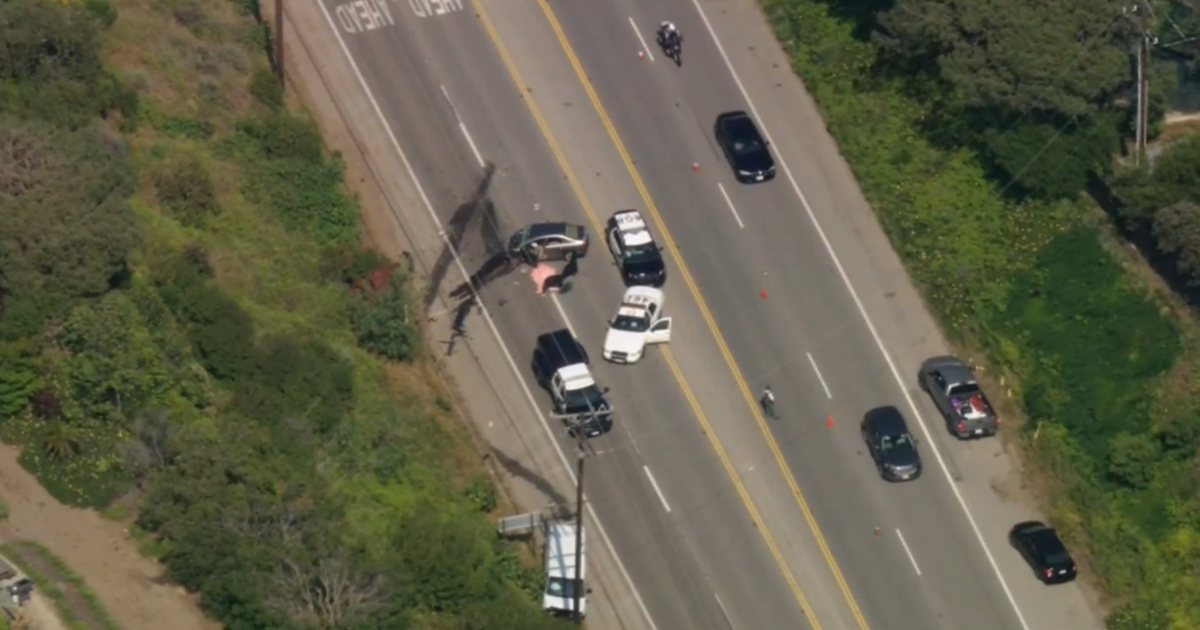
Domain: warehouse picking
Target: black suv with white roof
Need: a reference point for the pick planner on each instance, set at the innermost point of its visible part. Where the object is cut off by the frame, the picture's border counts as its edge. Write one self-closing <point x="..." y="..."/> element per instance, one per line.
<point x="560" y="365"/>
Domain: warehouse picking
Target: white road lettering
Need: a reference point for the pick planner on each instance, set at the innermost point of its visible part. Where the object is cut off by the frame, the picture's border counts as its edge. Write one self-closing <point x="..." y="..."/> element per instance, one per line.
<point x="427" y="8"/>
<point x="364" y="15"/>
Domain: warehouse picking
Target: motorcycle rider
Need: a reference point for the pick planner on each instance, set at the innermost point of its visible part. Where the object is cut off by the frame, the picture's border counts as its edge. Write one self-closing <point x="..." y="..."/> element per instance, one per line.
<point x="669" y="36"/>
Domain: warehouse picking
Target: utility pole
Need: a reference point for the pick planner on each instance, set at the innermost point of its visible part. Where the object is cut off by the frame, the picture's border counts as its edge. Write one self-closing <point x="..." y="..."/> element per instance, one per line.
<point x="279" y="41"/>
<point x="577" y="586"/>
<point x="1142" y="105"/>
<point x="578" y="426"/>
<point x="1143" y="17"/>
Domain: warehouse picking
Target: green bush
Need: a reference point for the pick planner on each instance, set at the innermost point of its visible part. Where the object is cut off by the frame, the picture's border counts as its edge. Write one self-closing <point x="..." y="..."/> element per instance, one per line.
<point x="185" y="188"/>
<point x="297" y="384"/>
<point x="266" y="89"/>
<point x="103" y="11"/>
<point x="1091" y="345"/>
<point x="1177" y="230"/>
<point x="285" y="136"/>
<point x="18" y="376"/>
<point x="382" y="320"/>
<point x="221" y="332"/>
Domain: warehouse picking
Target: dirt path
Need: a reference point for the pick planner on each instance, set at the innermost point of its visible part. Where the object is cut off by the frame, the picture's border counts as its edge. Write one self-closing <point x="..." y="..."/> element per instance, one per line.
<point x="39" y="614"/>
<point x="130" y="586"/>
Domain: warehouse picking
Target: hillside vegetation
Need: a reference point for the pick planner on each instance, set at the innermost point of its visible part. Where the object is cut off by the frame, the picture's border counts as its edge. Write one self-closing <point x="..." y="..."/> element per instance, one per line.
<point x="975" y="152"/>
<point x="188" y="327"/>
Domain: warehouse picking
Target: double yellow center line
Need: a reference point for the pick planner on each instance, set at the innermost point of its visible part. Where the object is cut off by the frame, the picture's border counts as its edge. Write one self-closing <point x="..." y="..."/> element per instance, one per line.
<point x="665" y="235"/>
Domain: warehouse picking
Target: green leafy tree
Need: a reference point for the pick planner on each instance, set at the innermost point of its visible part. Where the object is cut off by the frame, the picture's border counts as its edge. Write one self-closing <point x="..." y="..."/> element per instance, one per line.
<point x="1022" y="55"/>
<point x="1132" y="459"/>
<point x="112" y="364"/>
<point x="1055" y="159"/>
<point x="1177" y="230"/>
<point x="51" y="62"/>
<point x="66" y="228"/>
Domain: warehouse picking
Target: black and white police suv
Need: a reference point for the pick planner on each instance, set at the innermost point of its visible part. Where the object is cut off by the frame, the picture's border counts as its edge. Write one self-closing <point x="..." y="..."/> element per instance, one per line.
<point x="638" y="257"/>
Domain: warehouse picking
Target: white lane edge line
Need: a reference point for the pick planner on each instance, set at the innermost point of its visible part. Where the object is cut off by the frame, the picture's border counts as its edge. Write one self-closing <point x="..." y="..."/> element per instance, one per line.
<point x="637" y="596"/>
<point x="646" y="48"/>
<point x="463" y="127"/>
<point x="731" y="206"/>
<point x="1012" y="600"/>
<point x="911" y="557"/>
<point x="657" y="490"/>
<point x="725" y="612"/>
<point x="558" y="305"/>
<point x="819" y="377"/>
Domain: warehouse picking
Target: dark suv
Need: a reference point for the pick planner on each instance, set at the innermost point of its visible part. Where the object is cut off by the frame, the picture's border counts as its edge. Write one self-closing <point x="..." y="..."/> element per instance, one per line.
<point x="892" y="447"/>
<point x="560" y="365"/>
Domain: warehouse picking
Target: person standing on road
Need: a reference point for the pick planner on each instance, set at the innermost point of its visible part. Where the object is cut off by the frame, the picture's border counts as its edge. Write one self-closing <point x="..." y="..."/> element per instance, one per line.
<point x="768" y="402"/>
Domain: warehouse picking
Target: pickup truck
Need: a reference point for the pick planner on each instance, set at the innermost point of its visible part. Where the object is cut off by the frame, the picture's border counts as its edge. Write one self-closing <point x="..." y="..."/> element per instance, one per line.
<point x="952" y="386"/>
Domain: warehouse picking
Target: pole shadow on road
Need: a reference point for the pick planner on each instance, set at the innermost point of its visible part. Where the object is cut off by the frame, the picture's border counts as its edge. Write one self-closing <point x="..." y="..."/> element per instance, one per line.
<point x="479" y="211"/>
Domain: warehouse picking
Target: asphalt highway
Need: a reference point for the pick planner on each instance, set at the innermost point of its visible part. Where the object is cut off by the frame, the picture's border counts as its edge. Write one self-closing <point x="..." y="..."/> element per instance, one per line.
<point x="723" y="518"/>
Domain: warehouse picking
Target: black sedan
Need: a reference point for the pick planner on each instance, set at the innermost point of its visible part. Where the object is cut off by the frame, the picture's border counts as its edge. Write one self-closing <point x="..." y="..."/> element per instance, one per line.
<point x="1040" y="546"/>
<point x="892" y="447"/>
<point x="745" y="148"/>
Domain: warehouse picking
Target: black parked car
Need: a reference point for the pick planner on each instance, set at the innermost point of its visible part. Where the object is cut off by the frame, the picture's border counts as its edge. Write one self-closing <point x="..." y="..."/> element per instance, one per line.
<point x="1044" y="551"/>
<point x="745" y="148"/>
<point x="892" y="447"/>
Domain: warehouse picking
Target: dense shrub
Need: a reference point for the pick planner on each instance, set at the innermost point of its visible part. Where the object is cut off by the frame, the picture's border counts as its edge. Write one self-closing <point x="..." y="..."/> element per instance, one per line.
<point x="220" y="330"/>
<point x="67" y="229"/>
<point x="1177" y="230"/>
<point x="1090" y="344"/>
<point x="383" y="319"/>
<point x="266" y="88"/>
<point x="299" y="385"/>
<point x="290" y="174"/>
<point x="103" y="11"/>
<point x="285" y="136"/>
<point x="18" y="378"/>
<point x="185" y="188"/>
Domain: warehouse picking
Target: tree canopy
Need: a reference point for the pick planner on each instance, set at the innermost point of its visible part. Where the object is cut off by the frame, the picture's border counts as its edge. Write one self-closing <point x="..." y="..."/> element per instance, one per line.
<point x="1023" y="55"/>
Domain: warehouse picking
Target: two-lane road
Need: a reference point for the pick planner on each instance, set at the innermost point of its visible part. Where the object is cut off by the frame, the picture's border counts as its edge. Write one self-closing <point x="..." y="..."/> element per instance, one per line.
<point x="762" y="515"/>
